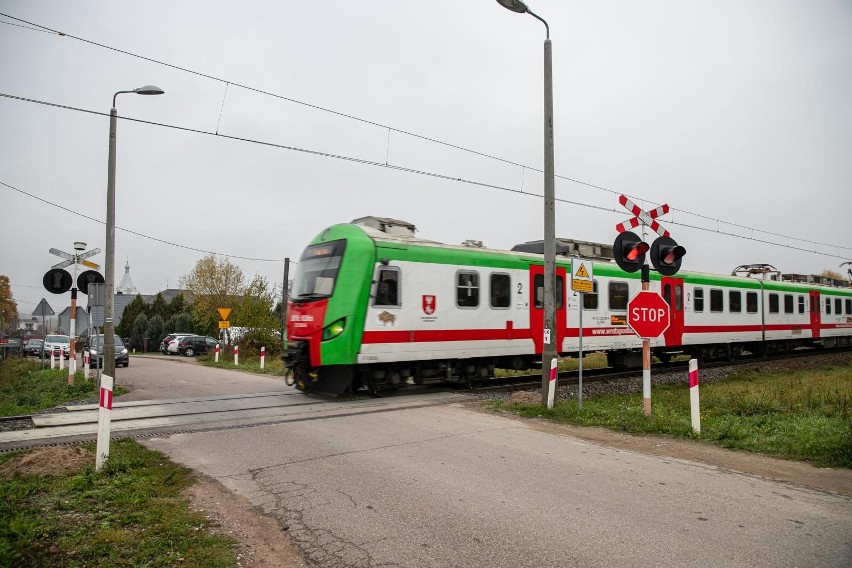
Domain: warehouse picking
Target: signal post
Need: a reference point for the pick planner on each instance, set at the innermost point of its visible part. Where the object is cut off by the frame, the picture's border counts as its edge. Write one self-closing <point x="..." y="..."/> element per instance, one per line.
<point x="647" y="312"/>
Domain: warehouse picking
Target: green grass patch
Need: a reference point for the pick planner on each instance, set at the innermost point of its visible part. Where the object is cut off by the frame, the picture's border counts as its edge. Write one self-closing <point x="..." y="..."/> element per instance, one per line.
<point x="273" y="365"/>
<point x="26" y="388"/>
<point x="798" y="415"/>
<point x="130" y="514"/>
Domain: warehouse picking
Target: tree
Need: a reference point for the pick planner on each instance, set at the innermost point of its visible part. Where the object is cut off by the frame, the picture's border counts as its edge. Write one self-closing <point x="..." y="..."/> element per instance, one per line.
<point x="179" y="323"/>
<point x="256" y="307"/>
<point x="178" y="305"/>
<point x="158" y="307"/>
<point x="8" y="306"/>
<point x="128" y="316"/>
<point x="140" y="327"/>
<point x="215" y="284"/>
<point x="154" y="331"/>
<point x="832" y="274"/>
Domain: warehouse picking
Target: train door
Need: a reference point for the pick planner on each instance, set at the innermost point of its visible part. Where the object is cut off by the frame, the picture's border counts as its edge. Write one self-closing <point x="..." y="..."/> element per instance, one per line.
<point x="537" y="306"/>
<point x="672" y="292"/>
<point x="815" y="315"/>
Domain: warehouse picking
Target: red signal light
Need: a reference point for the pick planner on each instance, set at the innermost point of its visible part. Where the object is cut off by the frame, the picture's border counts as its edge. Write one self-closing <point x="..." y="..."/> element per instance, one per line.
<point x="637" y="251"/>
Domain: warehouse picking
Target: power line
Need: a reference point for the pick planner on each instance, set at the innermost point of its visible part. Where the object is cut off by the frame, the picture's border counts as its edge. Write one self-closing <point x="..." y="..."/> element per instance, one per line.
<point x="138" y="234"/>
<point x="397" y="168"/>
<point x="228" y="82"/>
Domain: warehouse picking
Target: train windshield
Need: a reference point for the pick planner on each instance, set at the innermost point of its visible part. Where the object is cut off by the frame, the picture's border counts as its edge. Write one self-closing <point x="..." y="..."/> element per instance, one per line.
<point x="317" y="271"/>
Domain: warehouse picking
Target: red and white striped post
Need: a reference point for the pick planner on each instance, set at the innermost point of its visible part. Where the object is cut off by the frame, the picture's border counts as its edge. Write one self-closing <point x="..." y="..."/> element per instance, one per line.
<point x="61" y="360"/>
<point x="694" y="407"/>
<point x="236" y="354"/>
<point x="86" y="365"/>
<point x="53" y="358"/>
<point x="551" y="386"/>
<point x="216" y="359"/>
<point x="262" y="357"/>
<point x="104" y="416"/>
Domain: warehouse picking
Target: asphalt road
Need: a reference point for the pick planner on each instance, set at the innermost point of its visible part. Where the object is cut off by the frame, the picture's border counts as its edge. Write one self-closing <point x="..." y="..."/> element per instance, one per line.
<point x="446" y="486"/>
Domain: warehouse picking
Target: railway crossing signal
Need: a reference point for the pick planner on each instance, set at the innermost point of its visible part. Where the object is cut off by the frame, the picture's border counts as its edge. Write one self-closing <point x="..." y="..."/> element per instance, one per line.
<point x="629" y="251"/>
<point x="666" y="254"/>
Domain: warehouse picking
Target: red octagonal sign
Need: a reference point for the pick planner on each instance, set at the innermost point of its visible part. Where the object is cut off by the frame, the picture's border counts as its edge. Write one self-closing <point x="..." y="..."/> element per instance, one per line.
<point x="648" y="314"/>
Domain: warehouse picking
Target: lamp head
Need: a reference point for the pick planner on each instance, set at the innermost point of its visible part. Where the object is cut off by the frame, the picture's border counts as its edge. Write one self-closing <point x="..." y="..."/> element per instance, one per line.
<point x="514" y="5"/>
<point x="149" y="90"/>
<point x="79" y="246"/>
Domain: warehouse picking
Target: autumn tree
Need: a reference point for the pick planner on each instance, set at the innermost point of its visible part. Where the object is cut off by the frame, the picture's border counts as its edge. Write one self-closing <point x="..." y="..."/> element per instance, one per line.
<point x="158" y="307"/>
<point x="8" y="306"/>
<point x="215" y="284"/>
<point x="178" y="305"/>
<point x="832" y="274"/>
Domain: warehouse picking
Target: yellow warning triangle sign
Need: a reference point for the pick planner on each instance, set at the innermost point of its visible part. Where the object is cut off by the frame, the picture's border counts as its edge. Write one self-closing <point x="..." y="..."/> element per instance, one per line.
<point x="581" y="272"/>
<point x="224" y="312"/>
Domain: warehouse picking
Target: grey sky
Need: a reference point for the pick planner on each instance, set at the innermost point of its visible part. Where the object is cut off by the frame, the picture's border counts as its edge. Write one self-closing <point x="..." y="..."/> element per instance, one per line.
<point x="734" y="110"/>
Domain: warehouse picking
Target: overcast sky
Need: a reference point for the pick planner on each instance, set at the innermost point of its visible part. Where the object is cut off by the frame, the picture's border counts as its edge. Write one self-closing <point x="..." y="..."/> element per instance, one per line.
<point x="731" y="111"/>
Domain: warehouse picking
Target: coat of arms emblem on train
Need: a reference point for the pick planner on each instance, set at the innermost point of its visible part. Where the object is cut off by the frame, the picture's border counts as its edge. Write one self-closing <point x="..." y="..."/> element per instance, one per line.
<point x="387" y="318"/>
<point x="428" y="304"/>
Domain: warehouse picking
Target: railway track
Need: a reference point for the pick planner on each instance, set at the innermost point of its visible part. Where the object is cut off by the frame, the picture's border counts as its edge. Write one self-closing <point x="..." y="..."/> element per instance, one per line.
<point x="140" y="419"/>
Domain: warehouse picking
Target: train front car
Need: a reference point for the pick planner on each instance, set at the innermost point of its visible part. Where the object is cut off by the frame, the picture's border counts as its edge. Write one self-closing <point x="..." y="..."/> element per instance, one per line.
<point x="331" y="281"/>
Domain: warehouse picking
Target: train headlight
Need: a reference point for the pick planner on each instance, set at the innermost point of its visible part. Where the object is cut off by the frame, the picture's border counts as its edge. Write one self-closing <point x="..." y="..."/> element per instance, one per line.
<point x="334" y="329"/>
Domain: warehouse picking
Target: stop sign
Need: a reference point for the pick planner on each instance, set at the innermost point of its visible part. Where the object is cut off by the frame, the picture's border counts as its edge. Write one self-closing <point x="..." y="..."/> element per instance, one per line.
<point x="648" y="314"/>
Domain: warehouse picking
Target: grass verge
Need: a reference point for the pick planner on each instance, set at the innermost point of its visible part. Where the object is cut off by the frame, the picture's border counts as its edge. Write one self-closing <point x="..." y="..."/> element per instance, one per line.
<point x="130" y="514"/>
<point x="273" y="365"/>
<point x="804" y="415"/>
<point x="26" y="388"/>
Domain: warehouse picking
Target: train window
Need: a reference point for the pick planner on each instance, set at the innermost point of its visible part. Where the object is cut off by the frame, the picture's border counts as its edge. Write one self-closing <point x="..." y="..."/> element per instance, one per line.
<point x="618" y="295"/>
<point x="801" y="304"/>
<point x="751" y="302"/>
<point x="848" y="307"/>
<point x="387" y="287"/>
<point x="467" y="289"/>
<point x="774" y="306"/>
<point x="679" y="297"/>
<point x="828" y="305"/>
<point x="501" y="290"/>
<point x="788" y="303"/>
<point x="667" y="293"/>
<point x="590" y="299"/>
<point x="717" y="301"/>
<point x="735" y="301"/>
<point x="838" y="306"/>
<point x="699" y="299"/>
<point x="538" y="284"/>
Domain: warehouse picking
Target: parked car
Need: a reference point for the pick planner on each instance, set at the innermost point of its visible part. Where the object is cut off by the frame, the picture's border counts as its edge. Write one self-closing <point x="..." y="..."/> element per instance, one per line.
<point x="54" y="342"/>
<point x="95" y="347"/>
<point x="195" y="345"/>
<point x="33" y="348"/>
<point x="168" y="345"/>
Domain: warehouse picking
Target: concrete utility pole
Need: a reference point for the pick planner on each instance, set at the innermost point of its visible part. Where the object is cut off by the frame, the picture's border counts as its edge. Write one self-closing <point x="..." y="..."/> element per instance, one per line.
<point x="109" y="269"/>
<point x="549" y="332"/>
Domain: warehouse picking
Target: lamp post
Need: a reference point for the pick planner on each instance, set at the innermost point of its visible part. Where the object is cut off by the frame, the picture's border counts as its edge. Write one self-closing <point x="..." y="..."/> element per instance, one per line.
<point x="549" y="331"/>
<point x="109" y="268"/>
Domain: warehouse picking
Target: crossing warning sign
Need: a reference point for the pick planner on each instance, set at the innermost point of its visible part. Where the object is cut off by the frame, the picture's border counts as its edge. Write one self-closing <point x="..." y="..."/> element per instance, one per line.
<point x="581" y="275"/>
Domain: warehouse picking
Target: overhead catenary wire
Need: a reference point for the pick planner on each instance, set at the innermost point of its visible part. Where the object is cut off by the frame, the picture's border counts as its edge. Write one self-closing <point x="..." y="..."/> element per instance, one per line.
<point x="229" y="82"/>
<point x="391" y="167"/>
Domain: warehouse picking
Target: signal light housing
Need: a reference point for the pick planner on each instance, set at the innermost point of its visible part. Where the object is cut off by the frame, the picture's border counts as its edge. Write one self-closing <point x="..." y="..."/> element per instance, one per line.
<point x="629" y="251"/>
<point x="88" y="277"/>
<point x="666" y="256"/>
<point x="57" y="281"/>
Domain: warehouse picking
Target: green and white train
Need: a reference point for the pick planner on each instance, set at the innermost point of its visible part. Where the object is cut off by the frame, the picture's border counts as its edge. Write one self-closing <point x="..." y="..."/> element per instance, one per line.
<point x="373" y="309"/>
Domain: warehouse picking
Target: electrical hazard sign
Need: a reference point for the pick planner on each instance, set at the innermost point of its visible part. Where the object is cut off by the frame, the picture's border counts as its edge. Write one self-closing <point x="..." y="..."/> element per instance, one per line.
<point x="581" y="276"/>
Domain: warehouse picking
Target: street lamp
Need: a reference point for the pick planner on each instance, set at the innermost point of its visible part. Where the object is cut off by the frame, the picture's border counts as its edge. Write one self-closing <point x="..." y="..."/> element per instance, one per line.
<point x="109" y="269"/>
<point x="549" y="331"/>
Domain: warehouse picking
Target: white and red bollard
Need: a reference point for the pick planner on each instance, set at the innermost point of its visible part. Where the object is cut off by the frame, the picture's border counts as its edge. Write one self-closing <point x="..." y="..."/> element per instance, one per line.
<point x="262" y="356"/>
<point x="53" y="358"/>
<point x="216" y="357"/>
<point x="104" y="416"/>
<point x="61" y="359"/>
<point x="694" y="406"/>
<point x="86" y="364"/>
<point x="551" y="386"/>
<point x="236" y="354"/>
